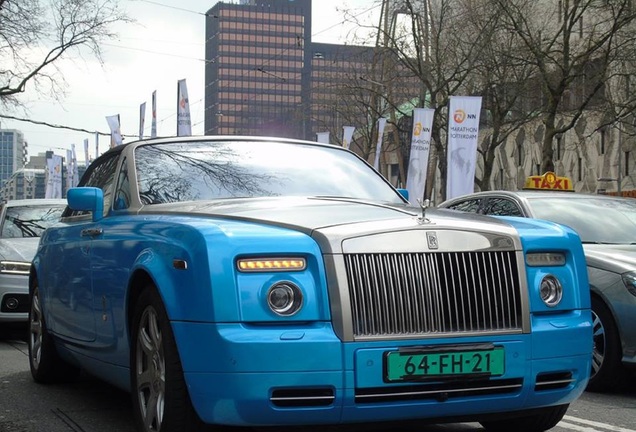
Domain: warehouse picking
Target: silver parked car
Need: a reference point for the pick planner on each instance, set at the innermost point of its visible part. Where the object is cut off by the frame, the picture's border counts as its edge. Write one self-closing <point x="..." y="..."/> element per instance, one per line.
<point x="607" y="227"/>
<point x="22" y="222"/>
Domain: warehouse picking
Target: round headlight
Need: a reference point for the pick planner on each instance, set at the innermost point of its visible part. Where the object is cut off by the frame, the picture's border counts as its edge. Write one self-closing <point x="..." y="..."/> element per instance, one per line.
<point x="551" y="291"/>
<point x="284" y="298"/>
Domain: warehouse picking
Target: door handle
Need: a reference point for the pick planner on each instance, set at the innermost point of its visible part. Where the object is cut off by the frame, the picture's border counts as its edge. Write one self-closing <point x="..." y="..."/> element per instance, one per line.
<point x="91" y="232"/>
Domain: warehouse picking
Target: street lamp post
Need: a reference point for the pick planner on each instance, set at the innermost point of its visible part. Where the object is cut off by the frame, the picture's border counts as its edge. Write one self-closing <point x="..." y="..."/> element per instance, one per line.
<point x="619" y="174"/>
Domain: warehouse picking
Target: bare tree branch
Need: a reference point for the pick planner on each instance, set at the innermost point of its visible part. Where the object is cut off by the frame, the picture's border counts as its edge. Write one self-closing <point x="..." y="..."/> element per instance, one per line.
<point x="35" y="35"/>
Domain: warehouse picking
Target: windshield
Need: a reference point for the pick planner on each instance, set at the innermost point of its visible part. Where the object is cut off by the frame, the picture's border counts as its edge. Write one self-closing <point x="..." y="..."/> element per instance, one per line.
<point x="595" y="220"/>
<point x="29" y="221"/>
<point x="211" y="170"/>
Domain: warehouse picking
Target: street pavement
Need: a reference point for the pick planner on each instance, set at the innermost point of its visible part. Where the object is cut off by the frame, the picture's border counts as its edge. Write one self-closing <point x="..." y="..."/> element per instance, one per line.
<point x="90" y="405"/>
<point x="81" y="406"/>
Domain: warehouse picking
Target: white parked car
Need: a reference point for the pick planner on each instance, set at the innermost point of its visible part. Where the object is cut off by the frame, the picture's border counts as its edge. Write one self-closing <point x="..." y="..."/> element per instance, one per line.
<point x="22" y="222"/>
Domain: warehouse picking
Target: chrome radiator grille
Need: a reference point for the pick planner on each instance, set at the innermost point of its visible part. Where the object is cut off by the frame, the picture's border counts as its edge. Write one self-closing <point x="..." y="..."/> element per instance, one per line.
<point x="394" y="294"/>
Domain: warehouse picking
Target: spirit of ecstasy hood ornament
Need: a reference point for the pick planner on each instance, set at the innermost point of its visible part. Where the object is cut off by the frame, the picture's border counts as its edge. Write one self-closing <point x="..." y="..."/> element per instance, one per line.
<point x="423" y="205"/>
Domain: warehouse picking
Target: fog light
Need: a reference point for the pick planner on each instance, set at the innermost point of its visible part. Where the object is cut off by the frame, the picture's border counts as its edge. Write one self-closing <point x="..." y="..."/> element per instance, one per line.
<point x="12" y="303"/>
<point x="551" y="291"/>
<point x="284" y="298"/>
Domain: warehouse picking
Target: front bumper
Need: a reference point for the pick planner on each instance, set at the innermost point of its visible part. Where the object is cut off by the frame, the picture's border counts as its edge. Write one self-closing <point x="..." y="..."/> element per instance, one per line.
<point x="252" y="375"/>
<point x="14" y="298"/>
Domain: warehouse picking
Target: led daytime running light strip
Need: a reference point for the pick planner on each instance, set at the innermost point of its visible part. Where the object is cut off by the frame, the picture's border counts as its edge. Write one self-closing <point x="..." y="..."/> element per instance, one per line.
<point x="271" y="264"/>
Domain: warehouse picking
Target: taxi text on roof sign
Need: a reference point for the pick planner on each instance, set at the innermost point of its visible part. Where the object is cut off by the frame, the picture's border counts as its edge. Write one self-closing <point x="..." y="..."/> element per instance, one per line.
<point x="549" y="181"/>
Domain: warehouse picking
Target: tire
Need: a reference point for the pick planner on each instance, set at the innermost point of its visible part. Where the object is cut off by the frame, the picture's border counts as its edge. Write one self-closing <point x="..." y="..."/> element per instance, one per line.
<point x="545" y="419"/>
<point x="45" y="363"/>
<point x="159" y="392"/>
<point x="607" y="368"/>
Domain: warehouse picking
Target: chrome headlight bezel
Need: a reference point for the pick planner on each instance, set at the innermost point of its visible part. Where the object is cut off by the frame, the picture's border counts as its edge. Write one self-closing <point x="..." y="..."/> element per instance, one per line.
<point x="551" y="291"/>
<point x="284" y="298"/>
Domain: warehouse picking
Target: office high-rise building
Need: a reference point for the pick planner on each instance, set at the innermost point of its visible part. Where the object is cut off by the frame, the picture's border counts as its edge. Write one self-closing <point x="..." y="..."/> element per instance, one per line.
<point x="258" y="68"/>
<point x="265" y="76"/>
<point x="13" y="153"/>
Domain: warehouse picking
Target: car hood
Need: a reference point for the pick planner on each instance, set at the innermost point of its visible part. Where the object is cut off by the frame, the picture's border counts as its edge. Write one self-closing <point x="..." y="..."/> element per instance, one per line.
<point x="18" y="249"/>
<point x="331" y="221"/>
<point x="615" y="258"/>
<point x="308" y="214"/>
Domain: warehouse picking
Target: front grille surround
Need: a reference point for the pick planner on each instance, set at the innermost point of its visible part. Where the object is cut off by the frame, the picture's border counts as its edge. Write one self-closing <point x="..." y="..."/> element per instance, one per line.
<point x="398" y="294"/>
<point x="404" y="256"/>
<point x="348" y="319"/>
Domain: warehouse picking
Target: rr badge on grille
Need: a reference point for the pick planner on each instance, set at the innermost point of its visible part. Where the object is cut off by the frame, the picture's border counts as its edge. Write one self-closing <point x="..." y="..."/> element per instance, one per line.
<point x="431" y="238"/>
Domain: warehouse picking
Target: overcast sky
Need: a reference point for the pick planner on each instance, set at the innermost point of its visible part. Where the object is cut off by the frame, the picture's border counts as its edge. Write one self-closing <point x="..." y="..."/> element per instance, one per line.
<point x="164" y="45"/>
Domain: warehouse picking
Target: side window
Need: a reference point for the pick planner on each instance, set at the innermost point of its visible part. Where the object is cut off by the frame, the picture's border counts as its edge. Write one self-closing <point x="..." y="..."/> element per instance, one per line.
<point x="469" y="206"/>
<point x="101" y="175"/>
<point x="122" y="197"/>
<point x="502" y="207"/>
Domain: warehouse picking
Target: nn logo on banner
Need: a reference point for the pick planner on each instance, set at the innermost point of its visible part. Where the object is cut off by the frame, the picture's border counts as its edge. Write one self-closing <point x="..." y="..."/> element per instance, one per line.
<point x="460" y="115"/>
<point x="461" y="151"/>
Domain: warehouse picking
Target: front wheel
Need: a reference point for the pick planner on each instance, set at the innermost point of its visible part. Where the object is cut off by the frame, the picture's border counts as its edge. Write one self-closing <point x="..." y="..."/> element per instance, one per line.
<point x="607" y="368"/>
<point x="45" y="363"/>
<point x="545" y="419"/>
<point x="160" y="397"/>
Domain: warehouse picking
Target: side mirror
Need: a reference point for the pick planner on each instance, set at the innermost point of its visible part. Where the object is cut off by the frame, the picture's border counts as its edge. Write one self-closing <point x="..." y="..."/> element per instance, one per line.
<point x="404" y="193"/>
<point x="87" y="199"/>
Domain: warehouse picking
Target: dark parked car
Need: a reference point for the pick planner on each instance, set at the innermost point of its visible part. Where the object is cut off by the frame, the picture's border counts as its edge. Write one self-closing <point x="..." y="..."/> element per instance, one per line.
<point x="607" y="226"/>
<point x="22" y="222"/>
<point x="266" y="282"/>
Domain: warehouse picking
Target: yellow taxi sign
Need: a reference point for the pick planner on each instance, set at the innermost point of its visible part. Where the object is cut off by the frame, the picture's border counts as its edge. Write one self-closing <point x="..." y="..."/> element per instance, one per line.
<point x="549" y="181"/>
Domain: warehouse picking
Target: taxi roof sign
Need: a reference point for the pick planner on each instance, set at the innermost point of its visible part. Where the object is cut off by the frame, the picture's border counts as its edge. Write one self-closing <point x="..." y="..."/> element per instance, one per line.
<point x="549" y="181"/>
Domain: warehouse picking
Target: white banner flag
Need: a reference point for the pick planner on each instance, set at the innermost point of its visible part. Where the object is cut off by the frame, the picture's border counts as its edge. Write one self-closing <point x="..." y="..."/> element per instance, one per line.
<point x="322" y="137"/>
<point x="53" y="177"/>
<point x="153" y="125"/>
<point x="75" y="174"/>
<point x="69" y="170"/>
<point x="115" y="131"/>
<point x="96" y="144"/>
<point x="420" y="148"/>
<point x="461" y="151"/>
<point x="378" y="147"/>
<point x="184" y="125"/>
<point x="86" y="156"/>
<point x="142" y="119"/>
<point x="347" y="136"/>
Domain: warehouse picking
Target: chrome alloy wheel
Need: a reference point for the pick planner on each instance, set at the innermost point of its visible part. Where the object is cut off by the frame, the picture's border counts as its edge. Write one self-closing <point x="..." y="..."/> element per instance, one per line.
<point x="600" y="346"/>
<point x="151" y="370"/>
<point x="35" y="330"/>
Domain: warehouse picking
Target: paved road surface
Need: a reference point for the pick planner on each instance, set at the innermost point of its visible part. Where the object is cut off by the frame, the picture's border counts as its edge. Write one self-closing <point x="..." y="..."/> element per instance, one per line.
<point x="89" y="405"/>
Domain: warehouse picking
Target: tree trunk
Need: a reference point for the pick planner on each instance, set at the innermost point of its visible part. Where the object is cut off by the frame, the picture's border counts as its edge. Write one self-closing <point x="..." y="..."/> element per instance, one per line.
<point x="547" y="150"/>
